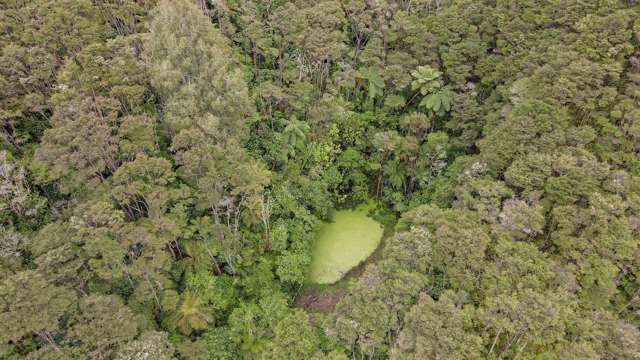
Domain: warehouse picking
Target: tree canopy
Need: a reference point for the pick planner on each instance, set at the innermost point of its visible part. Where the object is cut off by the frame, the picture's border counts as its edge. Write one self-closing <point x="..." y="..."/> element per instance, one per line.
<point x="165" y="166"/>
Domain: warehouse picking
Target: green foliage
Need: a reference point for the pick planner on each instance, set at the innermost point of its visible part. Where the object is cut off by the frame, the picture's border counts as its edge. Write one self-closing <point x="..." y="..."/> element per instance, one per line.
<point x="295" y="134"/>
<point x="426" y="80"/>
<point x="294" y="337"/>
<point x="101" y="324"/>
<point x="438" y="101"/>
<point x="164" y="166"/>
<point x="32" y="306"/>
<point x="153" y="344"/>
<point x="375" y="83"/>
<point x="191" y="313"/>
<point x="192" y="69"/>
<point x="440" y="328"/>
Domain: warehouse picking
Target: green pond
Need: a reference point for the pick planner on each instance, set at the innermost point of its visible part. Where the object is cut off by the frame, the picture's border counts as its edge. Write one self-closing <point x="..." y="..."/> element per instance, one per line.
<point x="344" y="243"/>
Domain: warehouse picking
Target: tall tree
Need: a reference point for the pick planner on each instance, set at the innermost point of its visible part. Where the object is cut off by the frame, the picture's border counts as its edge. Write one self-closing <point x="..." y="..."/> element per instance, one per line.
<point x="193" y="71"/>
<point x="33" y="306"/>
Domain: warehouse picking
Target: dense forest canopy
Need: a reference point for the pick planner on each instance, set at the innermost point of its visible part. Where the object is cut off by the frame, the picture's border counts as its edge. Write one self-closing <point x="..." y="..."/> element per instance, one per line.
<point x="165" y="165"/>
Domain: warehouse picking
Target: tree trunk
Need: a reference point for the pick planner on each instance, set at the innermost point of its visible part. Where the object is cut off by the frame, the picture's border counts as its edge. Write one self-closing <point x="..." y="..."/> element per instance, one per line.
<point x="495" y="341"/>
<point x="46" y="336"/>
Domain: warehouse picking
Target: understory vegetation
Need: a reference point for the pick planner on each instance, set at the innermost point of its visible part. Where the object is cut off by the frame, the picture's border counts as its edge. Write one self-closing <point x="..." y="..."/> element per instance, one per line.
<point x="165" y="166"/>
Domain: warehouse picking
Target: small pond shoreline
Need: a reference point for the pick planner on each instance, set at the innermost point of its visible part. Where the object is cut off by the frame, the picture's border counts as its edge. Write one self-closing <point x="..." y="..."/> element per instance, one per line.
<point x="322" y="298"/>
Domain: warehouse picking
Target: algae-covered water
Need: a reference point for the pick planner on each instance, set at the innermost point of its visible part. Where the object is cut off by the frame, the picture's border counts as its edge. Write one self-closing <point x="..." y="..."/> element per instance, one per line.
<point x="342" y="244"/>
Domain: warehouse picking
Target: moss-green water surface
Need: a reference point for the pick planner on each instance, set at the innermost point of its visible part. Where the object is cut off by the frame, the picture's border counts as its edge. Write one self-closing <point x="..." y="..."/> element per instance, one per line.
<point x="342" y="244"/>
